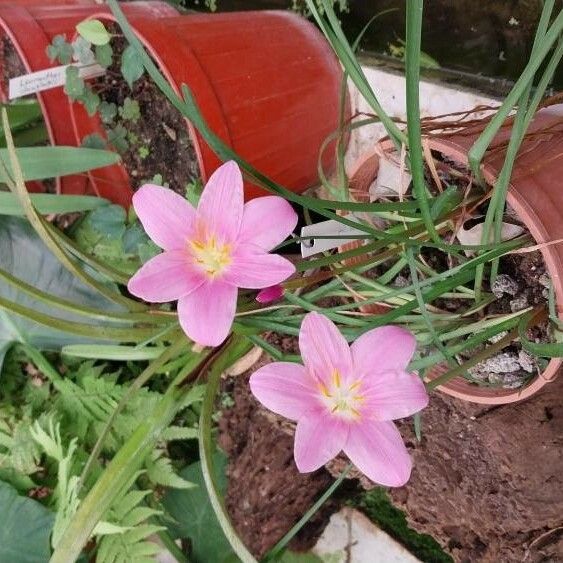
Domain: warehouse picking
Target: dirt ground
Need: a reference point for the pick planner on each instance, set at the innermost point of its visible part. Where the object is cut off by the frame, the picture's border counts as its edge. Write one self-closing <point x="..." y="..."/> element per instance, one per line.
<point x="487" y="482"/>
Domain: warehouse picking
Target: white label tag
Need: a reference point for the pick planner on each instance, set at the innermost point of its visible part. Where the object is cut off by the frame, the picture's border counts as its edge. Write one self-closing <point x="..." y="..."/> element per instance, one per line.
<point x="326" y="228"/>
<point x="47" y="79"/>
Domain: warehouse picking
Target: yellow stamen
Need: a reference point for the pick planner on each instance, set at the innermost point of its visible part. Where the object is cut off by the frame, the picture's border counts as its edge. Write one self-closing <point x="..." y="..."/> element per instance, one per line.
<point x="210" y="255"/>
<point x="341" y="397"/>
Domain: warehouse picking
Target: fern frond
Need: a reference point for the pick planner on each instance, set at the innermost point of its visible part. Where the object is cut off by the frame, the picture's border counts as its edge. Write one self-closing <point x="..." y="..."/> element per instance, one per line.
<point x="161" y="472"/>
<point x="131" y="545"/>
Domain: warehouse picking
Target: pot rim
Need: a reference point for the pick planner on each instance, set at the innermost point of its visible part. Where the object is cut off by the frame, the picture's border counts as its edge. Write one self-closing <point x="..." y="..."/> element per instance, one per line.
<point x="458" y="387"/>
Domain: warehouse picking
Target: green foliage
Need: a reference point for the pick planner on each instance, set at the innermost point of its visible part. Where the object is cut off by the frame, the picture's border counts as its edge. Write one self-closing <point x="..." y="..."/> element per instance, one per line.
<point x="131" y="65"/>
<point x="24" y="256"/>
<point x="25" y="526"/>
<point x="114" y="238"/>
<point x="60" y="50"/>
<point x="74" y="85"/>
<point x="377" y="506"/>
<point x="194" y="191"/>
<point x="130" y="110"/>
<point x="93" y="141"/>
<point x="82" y="51"/>
<point x="144" y="152"/>
<point x="117" y="136"/>
<point x="194" y="516"/>
<point x="94" y="31"/>
<point x="104" y="55"/>
<point x="90" y="100"/>
<point x="39" y="163"/>
<point x="130" y="543"/>
<point x="108" y="111"/>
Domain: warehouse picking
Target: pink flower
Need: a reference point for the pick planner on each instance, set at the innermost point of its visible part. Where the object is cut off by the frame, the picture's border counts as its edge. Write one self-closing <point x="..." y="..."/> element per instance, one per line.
<point x="269" y="294"/>
<point x="211" y="251"/>
<point x="344" y="398"/>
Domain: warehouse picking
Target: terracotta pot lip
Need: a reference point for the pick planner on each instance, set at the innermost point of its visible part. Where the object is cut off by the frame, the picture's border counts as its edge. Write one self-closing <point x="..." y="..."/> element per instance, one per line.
<point x="22" y="12"/>
<point x="458" y="387"/>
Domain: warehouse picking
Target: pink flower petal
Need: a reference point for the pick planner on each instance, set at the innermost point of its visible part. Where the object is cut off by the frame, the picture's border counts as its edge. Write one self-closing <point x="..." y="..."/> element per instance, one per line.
<point x="206" y="315"/>
<point x="167" y="217"/>
<point x="269" y="294"/>
<point x="252" y="268"/>
<point x="378" y="451"/>
<point x="267" y="221"/>
<point x="221" y="204"/>
<point x="285" y="388"/>
<point x="323" y="348"/>
<point x="383" y="349"/>
<point x="166" y="277"/>
<point x="393" y="394"/>
<point x="319" y="437"/>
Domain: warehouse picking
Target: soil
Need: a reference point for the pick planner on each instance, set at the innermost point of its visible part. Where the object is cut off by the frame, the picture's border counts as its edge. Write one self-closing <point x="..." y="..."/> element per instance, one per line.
<point x="161" y="128"/>
<point x="266" y="494"/>
<point x="523" y="282"/>
<point x="487" y="482"/>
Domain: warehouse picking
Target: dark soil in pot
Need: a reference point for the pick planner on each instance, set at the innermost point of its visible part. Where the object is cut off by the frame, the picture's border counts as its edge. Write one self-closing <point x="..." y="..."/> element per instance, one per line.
<point x="158" y="142"/>
<point x="523" y="282"/>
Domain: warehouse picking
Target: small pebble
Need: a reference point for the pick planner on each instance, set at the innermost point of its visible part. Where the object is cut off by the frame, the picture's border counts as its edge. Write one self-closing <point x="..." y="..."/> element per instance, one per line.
<point x="507" y="380"/>
<point x="504" y="362"/>
<point x="401" y="281"/>
<point x="521" y="302"/>
<point x="526" y="361"/>
<point x="545" y="280"/>
<point x="504" y="284"/>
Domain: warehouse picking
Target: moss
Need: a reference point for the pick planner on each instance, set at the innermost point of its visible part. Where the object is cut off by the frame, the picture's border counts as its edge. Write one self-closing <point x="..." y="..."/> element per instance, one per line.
<point x="375" y="504"/>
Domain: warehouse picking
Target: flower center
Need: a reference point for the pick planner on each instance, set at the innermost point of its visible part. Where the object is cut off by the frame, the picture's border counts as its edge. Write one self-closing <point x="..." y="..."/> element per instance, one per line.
<point x="211" y="256"/>
<point x="342" y="398"/>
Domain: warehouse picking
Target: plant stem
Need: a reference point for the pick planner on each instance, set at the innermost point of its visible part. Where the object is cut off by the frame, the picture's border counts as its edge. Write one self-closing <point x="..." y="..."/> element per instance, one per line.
<point x="412" y="70"/>
<point x="236" y="347"/>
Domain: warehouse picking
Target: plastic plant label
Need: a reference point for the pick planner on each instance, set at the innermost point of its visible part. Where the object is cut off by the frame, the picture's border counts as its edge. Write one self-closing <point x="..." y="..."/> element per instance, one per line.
<point x="326" y="229"/>
<point x="46" y="79"/>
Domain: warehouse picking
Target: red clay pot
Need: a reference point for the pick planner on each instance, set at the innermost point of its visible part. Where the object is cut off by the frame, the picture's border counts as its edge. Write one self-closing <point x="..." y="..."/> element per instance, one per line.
<point x="266" y="82"/>
<point x="31" y="28"/>
<point x="535" y="194"/>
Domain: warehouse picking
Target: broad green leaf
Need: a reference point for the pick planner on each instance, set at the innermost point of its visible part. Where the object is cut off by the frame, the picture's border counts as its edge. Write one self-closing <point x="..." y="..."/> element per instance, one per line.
<point x="131" y="65"/>
<point x="39" y="163"/>
<point x="195" y="517"/>
<point x="22" y="113"/>
<point x="25" y="527"/>
<point x="24" y="256"/>
<point x="94" y="31"/>
<point x="51" y="203"/>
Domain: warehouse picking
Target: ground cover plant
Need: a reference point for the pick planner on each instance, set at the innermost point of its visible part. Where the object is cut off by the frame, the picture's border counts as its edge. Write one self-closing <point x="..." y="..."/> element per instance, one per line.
<point x="117" y="325"/>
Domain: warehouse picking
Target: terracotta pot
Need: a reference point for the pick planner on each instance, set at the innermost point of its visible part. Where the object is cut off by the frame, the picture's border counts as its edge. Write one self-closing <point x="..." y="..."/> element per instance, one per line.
<point x="31" y="29"/>
<point x="535" y="194"/>
<point x="266" y="82"/>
